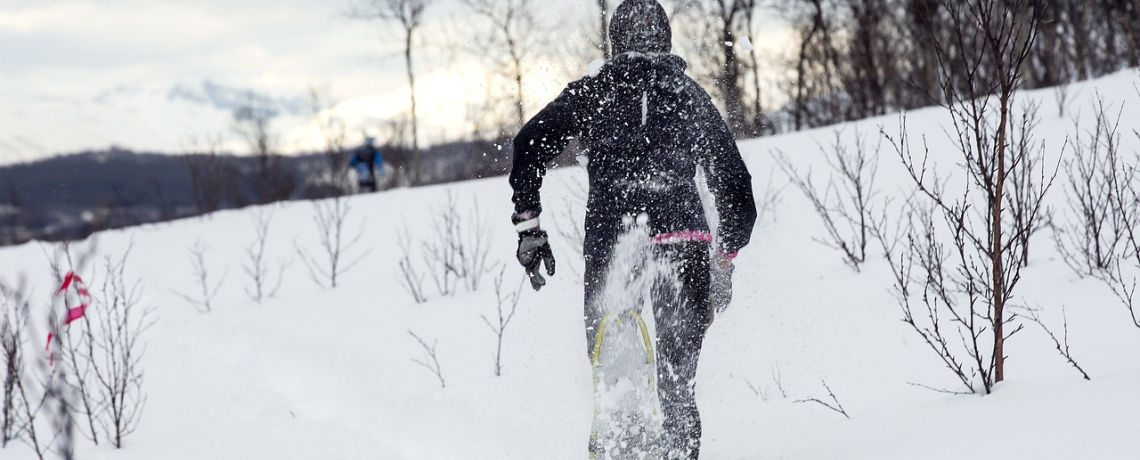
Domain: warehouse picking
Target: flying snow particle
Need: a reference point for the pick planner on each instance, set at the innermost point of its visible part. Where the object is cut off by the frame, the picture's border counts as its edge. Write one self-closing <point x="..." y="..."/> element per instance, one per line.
<point x="746" y="44"/>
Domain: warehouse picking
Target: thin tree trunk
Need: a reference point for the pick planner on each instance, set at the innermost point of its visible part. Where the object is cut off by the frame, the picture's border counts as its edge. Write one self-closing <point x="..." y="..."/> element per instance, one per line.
<point x="998" y="269"/>
<point x="604" y="23"/>
<point x="516" y="59"/>
<point x="757" y="106"/>
<point x="415" y="173"/>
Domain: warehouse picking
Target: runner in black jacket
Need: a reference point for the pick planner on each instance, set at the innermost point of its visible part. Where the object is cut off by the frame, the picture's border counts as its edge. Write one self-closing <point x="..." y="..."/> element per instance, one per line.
<point x="646" y="128"/>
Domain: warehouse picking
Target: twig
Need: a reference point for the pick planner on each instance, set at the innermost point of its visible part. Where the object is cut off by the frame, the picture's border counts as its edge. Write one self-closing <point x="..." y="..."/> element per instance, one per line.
<point x="1063" y="344"/>
<point x="431" y="360"/>
<point x="837" y="407"/>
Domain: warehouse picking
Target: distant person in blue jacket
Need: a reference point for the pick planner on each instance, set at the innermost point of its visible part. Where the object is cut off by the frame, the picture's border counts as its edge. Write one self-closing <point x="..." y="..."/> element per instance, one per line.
<point x="368" y="163"/>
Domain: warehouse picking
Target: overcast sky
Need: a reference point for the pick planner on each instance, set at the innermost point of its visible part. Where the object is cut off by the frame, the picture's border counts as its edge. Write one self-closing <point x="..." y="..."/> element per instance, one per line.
<point x="81" y="48"/>
<point x="77" y="48"/>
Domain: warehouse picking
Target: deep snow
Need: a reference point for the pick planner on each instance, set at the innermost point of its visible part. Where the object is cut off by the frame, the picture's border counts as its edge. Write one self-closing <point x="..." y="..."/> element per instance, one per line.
<point x="328" y="373"/>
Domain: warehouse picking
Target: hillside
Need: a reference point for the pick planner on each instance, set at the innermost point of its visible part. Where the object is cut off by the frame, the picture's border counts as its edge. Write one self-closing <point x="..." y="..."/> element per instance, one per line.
<point x="320" y="372"/>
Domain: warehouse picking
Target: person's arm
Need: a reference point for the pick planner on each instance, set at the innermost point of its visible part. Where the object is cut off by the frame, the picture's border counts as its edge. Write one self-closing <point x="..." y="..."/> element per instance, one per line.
<point x="728" y="177"/>
<point x="379" y="160"/>
<point x="539" y="141"/>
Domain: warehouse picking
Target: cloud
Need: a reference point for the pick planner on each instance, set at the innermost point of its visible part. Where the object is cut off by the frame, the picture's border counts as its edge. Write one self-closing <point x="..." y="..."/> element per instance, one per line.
<point x="48" y="47"/>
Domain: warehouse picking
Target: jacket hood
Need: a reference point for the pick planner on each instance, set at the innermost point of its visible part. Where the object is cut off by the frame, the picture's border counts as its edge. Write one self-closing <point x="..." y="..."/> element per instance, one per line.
<point x="641" y="26"/>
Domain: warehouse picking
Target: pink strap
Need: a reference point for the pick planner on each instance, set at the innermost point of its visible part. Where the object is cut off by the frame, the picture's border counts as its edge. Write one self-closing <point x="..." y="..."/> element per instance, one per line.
<point x="681" y="237"/>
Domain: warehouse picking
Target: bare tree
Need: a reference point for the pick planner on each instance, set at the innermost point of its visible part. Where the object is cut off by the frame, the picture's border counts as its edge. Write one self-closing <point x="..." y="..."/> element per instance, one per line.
<point x="846" y="202"/>
<point x="506" y="304"/>
<point x="430" y="360"/>
<point x="817" y="66"/>
<point x="336" y="258"/>
<point x="208" y="290"/>
<point x="985" y="241"/>
<point x="205" y="166"/>
<point x="409" y="15"/>
<point x="509" y="43"/>
<point x="334" y="132"/>
<point x="604" y="28"/>
<point x="270" y="181"/>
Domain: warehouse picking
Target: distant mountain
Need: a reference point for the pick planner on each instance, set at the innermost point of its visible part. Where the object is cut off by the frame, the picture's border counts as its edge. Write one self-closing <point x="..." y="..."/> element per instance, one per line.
<point x="170" y="117"/>
<point x="144" y="117"/>
<point x="230" y="99"/>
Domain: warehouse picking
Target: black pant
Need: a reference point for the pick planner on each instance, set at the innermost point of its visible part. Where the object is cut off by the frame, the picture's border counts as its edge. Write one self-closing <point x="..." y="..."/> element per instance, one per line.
<point x="682" y="314"/>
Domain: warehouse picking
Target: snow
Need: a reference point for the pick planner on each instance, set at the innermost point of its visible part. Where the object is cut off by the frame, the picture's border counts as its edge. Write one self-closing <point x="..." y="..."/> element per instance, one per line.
<point x="328" y="373"/>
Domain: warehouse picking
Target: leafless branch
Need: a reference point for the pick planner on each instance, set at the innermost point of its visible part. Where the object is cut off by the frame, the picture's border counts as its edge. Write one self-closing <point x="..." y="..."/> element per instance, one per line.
<point x="330" y="217"/>
<point x="1062" y="344"/>
<point x="256" y="264"/>
<point x="430" y="361"/>
<point x="833" y="405"/>
<point x="506" y="304"/>
<point x="203" y="301"/>
<point x="845" y="205"/>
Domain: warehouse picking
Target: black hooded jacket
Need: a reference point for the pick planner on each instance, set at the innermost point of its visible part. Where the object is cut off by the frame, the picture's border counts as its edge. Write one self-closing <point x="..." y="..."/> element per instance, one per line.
<point x="646" y="128"/>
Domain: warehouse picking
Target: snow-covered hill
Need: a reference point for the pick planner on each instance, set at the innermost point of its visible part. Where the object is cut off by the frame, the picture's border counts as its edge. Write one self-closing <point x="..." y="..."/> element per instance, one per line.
<point x="329" y="373"/>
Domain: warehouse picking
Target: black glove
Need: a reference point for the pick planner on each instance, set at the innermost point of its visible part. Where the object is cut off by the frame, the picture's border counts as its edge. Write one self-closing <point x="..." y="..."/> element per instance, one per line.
<point x="534" y="250"/>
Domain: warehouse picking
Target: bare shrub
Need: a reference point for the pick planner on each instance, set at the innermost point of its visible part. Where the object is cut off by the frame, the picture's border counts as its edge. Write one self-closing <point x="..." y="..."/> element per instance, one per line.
<point x="845" y="205"/>
<point x="1100" y="236"/>
<point x="256" y="265"/>
<point x="1090" y="236"/>
<point x="834" y="405"/>
<point x="45" y="398"/>
<point x="1125" y="186"/>
<point x="336" y="248"/>
<point x="410" y="279"/>
<point x="430" y="361"/>
<point x="206" y="169"/>
<point x="1028" y="180"/>
<point x="111" y="353"/>
<point x="14" y="316"/>
<point x="208" y="289"/>
<point x="456" y="253"/>
<point x="506" y="303"/>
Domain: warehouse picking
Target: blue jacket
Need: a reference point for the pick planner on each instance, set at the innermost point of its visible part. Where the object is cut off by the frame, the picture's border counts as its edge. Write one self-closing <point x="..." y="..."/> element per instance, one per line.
<point x="366" y="160"/>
